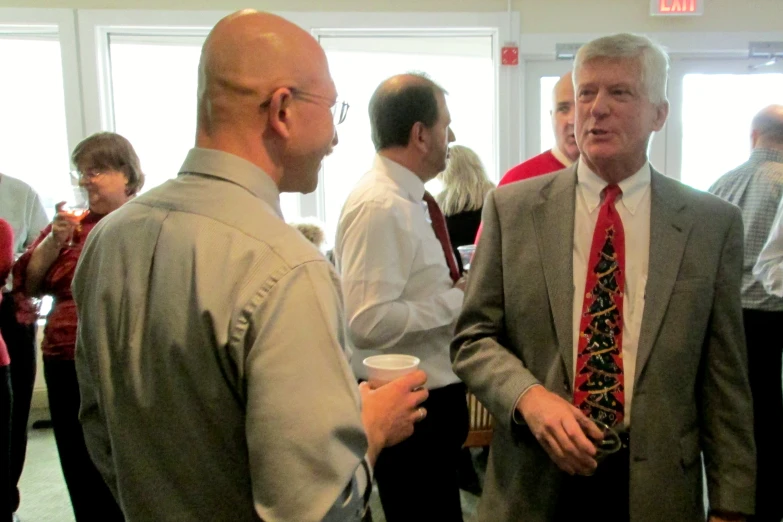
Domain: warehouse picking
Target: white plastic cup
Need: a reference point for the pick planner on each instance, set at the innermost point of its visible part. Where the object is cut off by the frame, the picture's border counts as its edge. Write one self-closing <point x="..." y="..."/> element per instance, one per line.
<point x="382" y="369"/>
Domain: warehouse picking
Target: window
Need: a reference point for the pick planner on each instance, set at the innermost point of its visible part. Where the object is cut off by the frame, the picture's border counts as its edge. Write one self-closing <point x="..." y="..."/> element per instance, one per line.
<point x="716" y="114"/>
<point x="462" y="65"/>
<point x="154" y="83"/>
<point x="33" y="131"/>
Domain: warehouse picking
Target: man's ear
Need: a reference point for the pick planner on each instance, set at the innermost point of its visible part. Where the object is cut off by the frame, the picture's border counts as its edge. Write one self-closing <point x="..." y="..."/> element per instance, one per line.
<point x="661" y="113"/>
<point x="419" y="136"/>
<point x="279" y="110"/>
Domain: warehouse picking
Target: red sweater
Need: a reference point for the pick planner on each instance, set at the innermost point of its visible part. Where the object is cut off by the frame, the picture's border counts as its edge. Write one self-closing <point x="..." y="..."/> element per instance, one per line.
<point x="544" y="163"/>
<point x="59" y="340"/>
<point x="6" y="261"/>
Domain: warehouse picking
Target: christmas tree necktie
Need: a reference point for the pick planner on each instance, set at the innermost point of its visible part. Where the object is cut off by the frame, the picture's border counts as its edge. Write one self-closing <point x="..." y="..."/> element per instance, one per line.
<point x="599" y="382"/>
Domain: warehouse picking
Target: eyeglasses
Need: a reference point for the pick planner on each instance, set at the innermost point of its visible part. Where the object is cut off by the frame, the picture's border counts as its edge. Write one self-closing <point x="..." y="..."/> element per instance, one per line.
<point x="339" y="107"/>
<point x="88" y="175"/>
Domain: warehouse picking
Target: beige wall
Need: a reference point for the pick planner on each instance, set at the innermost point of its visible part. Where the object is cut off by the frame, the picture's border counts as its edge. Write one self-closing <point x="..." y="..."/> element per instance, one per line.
<point x="537" y="16"/>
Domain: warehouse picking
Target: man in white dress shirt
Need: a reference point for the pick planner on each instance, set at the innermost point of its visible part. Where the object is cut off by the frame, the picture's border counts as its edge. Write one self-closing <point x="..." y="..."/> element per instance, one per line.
<point x="402" y="292"/>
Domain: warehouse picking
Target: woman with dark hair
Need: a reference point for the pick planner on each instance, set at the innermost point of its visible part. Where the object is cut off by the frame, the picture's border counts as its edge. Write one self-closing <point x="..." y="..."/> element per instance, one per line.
<point x="108" y="170"/>
<point x="465" y="185"/>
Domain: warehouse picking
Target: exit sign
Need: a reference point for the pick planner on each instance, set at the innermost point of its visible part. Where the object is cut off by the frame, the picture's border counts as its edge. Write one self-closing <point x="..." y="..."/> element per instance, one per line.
<point x="676" y="7"/>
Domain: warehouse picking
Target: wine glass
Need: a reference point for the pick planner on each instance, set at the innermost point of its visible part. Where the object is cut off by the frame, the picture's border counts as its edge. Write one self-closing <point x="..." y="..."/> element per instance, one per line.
<point x="75" y="211"/>
<point x="611" y="443"/>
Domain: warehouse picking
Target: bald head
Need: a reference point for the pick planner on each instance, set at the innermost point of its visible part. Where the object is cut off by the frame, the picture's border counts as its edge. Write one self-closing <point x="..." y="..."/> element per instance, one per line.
<point x="563" y="90"/>
<point x="563" y="117"/>
<point x="248" y="54"/>
<point x="260" y="76"/>
<point x="767" y="128"/>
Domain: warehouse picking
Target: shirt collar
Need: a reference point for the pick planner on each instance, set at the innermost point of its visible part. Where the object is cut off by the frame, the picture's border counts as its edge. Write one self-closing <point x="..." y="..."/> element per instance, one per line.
<point x="762" y="155"/>
<point x="633" y="187"/>
<point x="237" y="170"/>
<point x="402" y="176"/>
<point x="562" y="158"/>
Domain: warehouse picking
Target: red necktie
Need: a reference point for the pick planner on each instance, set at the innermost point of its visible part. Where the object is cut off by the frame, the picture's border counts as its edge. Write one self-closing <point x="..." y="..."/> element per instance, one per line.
<point x="442" y="233"/>
<point x="599" y="382"/>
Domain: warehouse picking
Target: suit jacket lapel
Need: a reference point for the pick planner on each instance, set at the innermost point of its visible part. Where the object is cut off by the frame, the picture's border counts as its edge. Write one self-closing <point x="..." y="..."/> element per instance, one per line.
<point x="554" y="223"/>
<point x="669" y="229"/>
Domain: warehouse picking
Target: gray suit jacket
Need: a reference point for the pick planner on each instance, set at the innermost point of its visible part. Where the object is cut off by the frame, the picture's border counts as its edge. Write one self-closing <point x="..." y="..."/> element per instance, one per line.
<point x="691" y="393"/>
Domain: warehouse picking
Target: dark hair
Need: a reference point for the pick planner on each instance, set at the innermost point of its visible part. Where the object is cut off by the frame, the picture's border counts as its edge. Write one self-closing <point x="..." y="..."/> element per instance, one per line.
<point x="108" y="150"/>
<point x="394" y="109"/>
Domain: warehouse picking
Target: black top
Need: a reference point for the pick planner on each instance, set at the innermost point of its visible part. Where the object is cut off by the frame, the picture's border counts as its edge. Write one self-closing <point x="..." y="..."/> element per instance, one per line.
<point x="463" y="227"/>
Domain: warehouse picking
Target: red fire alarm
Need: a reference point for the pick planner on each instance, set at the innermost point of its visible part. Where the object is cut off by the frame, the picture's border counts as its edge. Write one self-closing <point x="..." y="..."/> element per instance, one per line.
<point x="509" y="55"/>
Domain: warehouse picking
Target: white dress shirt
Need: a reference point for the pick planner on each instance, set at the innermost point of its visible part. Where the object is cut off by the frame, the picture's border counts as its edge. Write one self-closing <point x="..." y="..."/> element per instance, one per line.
<point x="633" y="205"/>
<point x="399" y="297"/>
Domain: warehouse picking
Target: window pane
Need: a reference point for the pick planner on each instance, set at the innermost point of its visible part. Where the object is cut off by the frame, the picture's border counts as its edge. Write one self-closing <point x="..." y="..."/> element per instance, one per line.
<point x="716" y="116"/>
<point x="547" y="136"/>
<point x="461" y="65"/>
<point x="33" y="133"/>
<point x="154" y="89"/>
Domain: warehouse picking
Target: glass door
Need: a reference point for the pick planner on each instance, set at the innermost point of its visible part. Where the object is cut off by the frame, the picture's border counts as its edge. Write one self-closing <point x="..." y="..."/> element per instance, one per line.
<point x="712" y="105"/>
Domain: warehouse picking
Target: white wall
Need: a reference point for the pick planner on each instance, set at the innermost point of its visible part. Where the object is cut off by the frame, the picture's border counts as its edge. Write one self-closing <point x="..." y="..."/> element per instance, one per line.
<point x="537" y="16"/>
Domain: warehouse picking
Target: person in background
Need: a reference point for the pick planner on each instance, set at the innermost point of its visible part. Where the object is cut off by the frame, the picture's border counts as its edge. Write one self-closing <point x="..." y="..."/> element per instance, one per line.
<point x="609" y="293"/>
<point x="21" y="207"/>
<point x="210" y="356"/>
<point x="313" y="232"/>
<point x="6" y="399"/>
<point x="403" y="290"/>
<point x="110" y="173"/>
<point x="756" y="187"/>
<point x="565" y="152"/>
<point x="465" y="185"/>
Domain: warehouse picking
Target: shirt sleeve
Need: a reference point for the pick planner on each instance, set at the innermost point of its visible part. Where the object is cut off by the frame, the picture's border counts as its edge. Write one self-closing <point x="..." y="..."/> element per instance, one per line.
<point x="91" y="416"/>
<point x="769" y="266"/>
<point x="37" y="219"/>
<point x="305" y="437"/>
<point x="6" y="249"/>
<point x="377" y="252"/>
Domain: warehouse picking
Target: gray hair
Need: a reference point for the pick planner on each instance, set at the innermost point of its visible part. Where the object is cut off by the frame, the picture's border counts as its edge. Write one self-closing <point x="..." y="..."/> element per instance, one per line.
<point x="652" y="57"/>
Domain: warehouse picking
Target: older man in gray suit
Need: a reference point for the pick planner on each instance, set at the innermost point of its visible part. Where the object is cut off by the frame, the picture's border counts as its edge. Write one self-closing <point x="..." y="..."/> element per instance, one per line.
<point x="607" y="295"/>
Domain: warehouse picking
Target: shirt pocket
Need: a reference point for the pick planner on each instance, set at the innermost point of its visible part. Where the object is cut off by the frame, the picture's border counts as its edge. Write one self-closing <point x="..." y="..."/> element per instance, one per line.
<point x="432" y="251"/>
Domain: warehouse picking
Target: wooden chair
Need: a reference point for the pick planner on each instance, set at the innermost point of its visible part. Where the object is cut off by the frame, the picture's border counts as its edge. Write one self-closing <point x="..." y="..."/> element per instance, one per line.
<point x="481" y="424"/>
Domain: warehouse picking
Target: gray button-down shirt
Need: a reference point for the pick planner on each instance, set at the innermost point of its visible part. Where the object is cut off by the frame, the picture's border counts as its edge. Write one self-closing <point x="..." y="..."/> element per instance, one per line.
<point x="22" y="208"/>
<point x="210" y="357"/>
<point x="756" y="187"/>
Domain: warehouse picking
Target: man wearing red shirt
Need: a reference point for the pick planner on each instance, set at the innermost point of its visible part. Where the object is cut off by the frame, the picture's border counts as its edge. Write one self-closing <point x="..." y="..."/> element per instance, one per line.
<point x="564" y="153"/>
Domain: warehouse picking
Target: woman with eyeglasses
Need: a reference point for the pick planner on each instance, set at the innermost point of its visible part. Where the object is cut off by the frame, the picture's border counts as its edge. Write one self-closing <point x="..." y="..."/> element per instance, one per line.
<point x="108" y="171"/>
